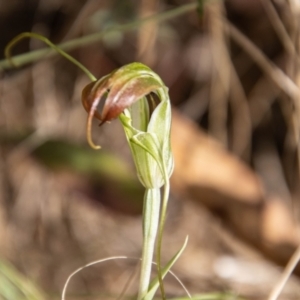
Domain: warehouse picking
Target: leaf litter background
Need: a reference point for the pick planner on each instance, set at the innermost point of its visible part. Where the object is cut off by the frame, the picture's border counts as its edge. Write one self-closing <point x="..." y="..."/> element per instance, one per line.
<point x="235" y="136"/>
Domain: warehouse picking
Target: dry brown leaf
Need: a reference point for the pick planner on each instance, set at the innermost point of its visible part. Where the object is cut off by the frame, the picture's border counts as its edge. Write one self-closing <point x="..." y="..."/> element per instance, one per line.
<point x="209" y="174"/>
<point x="206" y="168"/>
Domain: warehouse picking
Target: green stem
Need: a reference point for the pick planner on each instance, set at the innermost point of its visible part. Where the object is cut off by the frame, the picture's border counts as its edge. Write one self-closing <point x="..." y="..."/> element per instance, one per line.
<point x="150" y="224"/>
<point x="32" y="56"/>
<point x="24" y="35"/>
<point x="160" y="231"/>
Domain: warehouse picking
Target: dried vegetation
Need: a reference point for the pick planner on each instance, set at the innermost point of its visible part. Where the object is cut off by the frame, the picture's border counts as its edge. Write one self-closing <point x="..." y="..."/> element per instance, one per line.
<point x="233" y="74"/>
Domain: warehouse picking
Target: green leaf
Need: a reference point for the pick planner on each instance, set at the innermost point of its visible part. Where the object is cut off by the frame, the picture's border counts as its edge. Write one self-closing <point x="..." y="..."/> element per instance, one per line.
<point x="155" y="283"/>
<point x="212" y="296"/>
<point x="14" y="285"/>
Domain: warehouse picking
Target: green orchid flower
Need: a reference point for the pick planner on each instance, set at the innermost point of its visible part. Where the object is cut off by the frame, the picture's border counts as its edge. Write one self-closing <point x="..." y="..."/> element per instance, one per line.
<point x="136" y="95"/>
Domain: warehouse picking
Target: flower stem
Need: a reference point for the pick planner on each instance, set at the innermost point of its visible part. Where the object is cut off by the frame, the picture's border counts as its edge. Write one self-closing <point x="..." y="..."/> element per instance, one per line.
<point x="160" y="235"/>
<point x="150" y="224"/>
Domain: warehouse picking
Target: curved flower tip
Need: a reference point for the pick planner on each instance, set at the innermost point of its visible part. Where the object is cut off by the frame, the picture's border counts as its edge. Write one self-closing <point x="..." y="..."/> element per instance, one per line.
<point x="92" y="112"/>
<point x="120" y="89"/>
<point x="87" y="99"/>
<point x="140" y="93"/>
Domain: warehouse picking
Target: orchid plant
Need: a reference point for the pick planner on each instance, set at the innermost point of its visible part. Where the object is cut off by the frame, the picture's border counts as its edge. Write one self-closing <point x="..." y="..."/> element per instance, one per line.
<point x="139" y="98"/>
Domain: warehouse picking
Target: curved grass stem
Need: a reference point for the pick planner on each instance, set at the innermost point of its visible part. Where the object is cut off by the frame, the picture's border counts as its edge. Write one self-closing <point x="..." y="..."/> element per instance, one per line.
<point x="24" y="35"/>
<point x="36" y="55"/>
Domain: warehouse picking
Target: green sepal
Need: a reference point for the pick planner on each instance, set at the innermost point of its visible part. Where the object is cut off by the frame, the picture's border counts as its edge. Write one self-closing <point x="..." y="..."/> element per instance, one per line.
<point x="147" y="154"/>
<point x="146" y="145"/>
<point x="160" y="124"/>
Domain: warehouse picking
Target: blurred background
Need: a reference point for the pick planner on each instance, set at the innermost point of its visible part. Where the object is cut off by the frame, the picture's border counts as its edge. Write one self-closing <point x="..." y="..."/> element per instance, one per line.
<point x="232" y="68"/>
